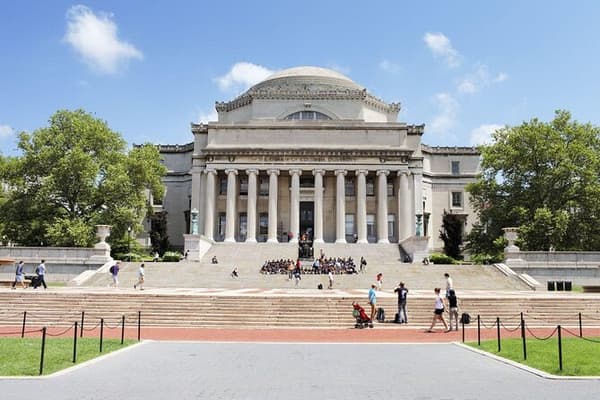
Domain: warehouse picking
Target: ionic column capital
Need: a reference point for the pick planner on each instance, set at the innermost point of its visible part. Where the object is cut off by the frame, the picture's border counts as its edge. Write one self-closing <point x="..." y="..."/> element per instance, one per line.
<point x="230" y="171"/>
<point x="293" y="172"/>
<point x="385" y="172"/>
<point x="209" y="171"/>
<point x="273" y="171"/>
<point x="361" y="172"/>
<point x="318" y="172"/>
<point x="403" y="171"/>
<point x="252" y="171"/>
<point x="340" y="172"/>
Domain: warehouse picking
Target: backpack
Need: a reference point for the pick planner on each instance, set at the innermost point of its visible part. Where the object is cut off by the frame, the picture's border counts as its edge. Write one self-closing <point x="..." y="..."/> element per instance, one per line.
<point x="112" y="269"/>
<point x="465" y="319"/>
<point x="320" y="286"/>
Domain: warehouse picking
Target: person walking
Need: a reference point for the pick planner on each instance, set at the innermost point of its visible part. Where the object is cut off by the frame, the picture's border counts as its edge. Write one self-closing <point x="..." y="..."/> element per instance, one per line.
<point x="452" y="310"/>
<point x="330" y="276"/>
<point x="372" y="301"/>
<point x="19" y="276"/>
<point x="449" y="283"/>
<point x="234" y="273"/>
<point x="379" y="279"/>
<point x="363" y="264"/>
<point x="402" y="294"/>
<point x="114" y="272"/>
<point x="297" y="277"/>
<point x="438" y="312"/>
<point x="40" y="271"/>
<point x="141" y="278"/>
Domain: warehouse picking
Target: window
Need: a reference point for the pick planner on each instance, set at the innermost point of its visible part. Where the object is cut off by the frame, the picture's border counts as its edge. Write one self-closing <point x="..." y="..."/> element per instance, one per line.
<point x="222" y="221"/>
<point x="350" y="225"/>
<point x="243" y="226"/>
<point x="307" y="182"/>
<point x="390" y="189"/>
<point x="457" y="199"/>
<point x="370" y="186"/>
<point x="243" y="186"/>
<point x="222" y="185"/>
<point x="349" y="186"/>
<point x="263" y="226"/>
<point x="307" y="115"/>
<point x="455" y="167"/>
<point x="264" y="186"/>
<point x="371" y="233"/>
<point x="390" y="221"/>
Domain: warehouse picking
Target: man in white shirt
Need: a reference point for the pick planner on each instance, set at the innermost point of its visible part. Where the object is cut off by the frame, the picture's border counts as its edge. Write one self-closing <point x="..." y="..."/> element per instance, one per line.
<point x="141" y="275"/>
<point x="449" y="284"/>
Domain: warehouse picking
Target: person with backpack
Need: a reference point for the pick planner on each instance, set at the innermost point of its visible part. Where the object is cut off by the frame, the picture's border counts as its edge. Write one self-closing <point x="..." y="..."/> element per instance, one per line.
<point x="141" y="276"/>
<point x="452" y="309"/>
<point x="19" y="276"/>
<point x="40" y="271"/>
<point x="363" y="264"/>
<point x="114" y="272"/>
<point x="402" y="294"/>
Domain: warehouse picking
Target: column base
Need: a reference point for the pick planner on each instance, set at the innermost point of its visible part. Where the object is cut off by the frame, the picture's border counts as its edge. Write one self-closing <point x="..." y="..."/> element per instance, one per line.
<point x="272" y="240"/>
<point x="293" y="240"/>
<point x="318" y="241"/>
<point x="341" y="241"/>
<point x="383" y="241"/>
<point x="229" y="240"/>
<point x="250" y="240"/>
<point x="362" y="241"/>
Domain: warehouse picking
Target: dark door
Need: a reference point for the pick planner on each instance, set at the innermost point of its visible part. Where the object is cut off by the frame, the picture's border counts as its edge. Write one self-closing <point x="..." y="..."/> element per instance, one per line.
<point x="307" y="212"/>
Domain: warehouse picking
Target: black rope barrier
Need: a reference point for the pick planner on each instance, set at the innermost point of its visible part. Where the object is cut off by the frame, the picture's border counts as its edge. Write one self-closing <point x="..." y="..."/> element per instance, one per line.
<point x="580" y="337"/>
<point x="60" y="333"/>
<point x="93" y="327"/>
<point x="510" y="329"/>
<point x="20" y="332"/>
<point x="542" y="338"/>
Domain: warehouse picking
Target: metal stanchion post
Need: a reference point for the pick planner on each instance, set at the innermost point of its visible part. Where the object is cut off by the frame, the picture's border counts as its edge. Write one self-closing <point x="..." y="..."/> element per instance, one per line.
<point x="560" y="363"/>
<point x="43" y="350"/>
<point x="82" y="317"/>
<point x="23" y="328"/>
<point x="101" y="332"/>
<point x="524" y="339"/>
<point x="462" y="322"/>
<point x="122" y="329"/>
<point x="478" y="330"/>
<point x="139" y="325"/>
<point x="580" y="327"/>
<point x="75" y="344"/>
<point x="498" y="329"/>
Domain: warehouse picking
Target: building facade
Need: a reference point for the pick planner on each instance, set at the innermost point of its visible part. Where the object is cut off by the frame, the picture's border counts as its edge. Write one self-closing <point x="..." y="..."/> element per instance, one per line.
<point x="310" y="152"/>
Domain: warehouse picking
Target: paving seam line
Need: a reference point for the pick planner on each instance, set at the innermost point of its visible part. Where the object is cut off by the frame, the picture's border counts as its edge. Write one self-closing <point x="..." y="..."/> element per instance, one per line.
<point x="301" y="343"/>
<point x="531" y="370"/>
<point x="77" y="366"/>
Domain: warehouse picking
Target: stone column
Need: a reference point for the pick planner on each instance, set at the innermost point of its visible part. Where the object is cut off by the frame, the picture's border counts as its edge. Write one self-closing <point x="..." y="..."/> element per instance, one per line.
<point x="361" y="206"/>
<point x="340" y="209"/>
<point x="318" y="233"/>
<point x="382" y="209"/>
<point x="418" y="188"/>
<point x="202" y="196"/>
<point x="273" y="191"/>
<point x="404" y="206"/>
<point x="230" y="210"/>
<point x="251" y="211"/>
<point x="209" y="217"/>
<point x="295" y="204"/>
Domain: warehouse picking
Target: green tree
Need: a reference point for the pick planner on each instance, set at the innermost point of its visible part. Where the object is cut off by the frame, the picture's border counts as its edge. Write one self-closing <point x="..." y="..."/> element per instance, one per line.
<point x="74" y="174"/>
<point x="451" y="234"/>
<point x="543" y="178"/>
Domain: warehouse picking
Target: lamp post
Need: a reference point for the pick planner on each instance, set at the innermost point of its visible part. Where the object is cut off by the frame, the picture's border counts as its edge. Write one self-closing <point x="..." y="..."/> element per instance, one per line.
<point x="128" y="243"/>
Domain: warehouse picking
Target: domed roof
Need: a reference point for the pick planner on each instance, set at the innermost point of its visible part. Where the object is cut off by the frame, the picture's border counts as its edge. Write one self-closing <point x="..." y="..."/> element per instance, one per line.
<point x="307" y="75"/>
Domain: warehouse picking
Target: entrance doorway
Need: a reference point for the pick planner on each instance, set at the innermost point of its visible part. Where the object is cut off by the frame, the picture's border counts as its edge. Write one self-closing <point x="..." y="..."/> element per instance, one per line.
<point x="307" y="219"/>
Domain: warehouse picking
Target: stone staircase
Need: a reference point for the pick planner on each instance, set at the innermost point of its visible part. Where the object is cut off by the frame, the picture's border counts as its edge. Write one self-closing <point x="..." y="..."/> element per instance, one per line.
<point x="306" y="309"/>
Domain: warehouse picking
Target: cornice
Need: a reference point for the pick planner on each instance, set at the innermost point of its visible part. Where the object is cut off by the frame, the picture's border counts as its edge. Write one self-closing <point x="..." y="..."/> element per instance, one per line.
<point x="450" y="150"/>
<point x="176" y="148"/>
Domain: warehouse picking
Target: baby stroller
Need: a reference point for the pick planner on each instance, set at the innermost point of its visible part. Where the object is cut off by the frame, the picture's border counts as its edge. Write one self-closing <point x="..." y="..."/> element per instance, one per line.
<point x="362" y="319"/>
<point x="35" y="280"/>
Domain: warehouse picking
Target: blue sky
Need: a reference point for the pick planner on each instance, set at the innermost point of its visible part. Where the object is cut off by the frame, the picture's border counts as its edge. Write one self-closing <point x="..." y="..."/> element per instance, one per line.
<point x="462" y="68"/>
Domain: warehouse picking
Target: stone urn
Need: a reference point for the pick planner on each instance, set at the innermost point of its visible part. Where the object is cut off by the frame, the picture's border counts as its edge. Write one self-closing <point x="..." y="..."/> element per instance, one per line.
<point x="102" y="232"/>
<point x="511" y="235"/>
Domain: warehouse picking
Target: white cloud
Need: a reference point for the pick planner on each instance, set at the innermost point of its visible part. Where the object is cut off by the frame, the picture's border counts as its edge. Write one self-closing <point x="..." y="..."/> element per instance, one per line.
<point x="446" y="117"/>
<point x="483" y="134"/>
<point x="242" y="75"/>
<point x="5" y="131"/>
<point x="205" y="117"/>
<point x="94" y="37"/>
<point x="478" y="79"/>
<point x="389" y="66"/>
<point x="440" y="46"/>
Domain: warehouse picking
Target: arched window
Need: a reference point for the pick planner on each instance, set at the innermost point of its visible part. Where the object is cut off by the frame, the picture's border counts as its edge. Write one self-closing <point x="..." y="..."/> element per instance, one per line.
<point x="307" y="115"/>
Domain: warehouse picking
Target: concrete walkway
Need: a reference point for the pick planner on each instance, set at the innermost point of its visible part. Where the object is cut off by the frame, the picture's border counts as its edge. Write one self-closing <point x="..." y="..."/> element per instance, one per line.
<point x="165" y="370"/>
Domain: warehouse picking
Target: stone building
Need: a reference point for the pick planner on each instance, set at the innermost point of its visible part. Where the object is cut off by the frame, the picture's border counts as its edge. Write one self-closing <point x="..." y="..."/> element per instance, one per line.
<point x="309" y="152"/>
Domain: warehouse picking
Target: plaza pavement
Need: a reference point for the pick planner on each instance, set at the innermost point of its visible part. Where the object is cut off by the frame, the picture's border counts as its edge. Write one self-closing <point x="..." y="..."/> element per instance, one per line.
<point x="186" y="370"/>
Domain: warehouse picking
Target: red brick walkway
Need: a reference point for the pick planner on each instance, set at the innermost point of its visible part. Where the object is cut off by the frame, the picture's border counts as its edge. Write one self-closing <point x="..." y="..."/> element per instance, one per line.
<point x="350" y="335"/>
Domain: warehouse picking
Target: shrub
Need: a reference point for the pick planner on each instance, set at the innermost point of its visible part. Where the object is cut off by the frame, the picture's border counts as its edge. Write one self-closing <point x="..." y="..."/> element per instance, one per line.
<point x="172" y="256"/>
<point x="134" y="257"/>
<point x="486" y="259"/>
<point x="438" y="258"/>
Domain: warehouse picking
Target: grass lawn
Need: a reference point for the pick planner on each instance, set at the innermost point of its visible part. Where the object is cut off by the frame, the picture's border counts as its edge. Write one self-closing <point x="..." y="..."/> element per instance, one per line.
<point x="22" y="356"/>
<point x="580" y="357"/>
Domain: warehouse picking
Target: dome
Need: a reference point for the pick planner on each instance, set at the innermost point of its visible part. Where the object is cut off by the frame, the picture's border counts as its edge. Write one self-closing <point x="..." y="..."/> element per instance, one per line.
<point x="307" y="75"/>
